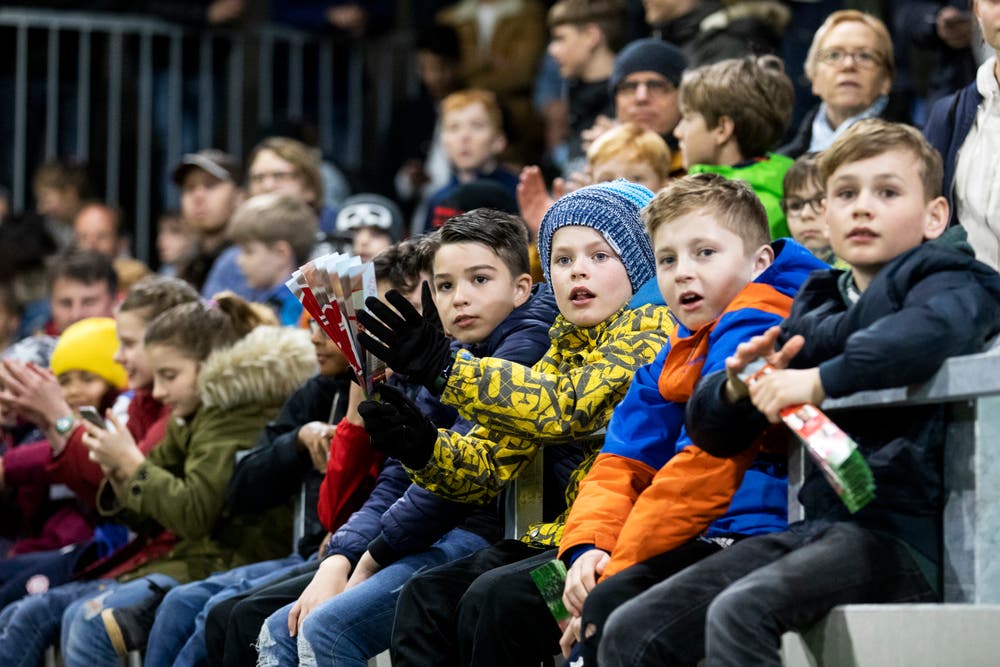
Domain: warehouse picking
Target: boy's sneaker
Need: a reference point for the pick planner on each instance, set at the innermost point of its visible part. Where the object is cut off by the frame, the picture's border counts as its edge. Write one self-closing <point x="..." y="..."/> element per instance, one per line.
<point x="128" y="627"/>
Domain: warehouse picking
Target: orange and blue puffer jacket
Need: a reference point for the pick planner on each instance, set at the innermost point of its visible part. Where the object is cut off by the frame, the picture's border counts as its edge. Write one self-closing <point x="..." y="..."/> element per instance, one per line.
<point x="651" y="489"/>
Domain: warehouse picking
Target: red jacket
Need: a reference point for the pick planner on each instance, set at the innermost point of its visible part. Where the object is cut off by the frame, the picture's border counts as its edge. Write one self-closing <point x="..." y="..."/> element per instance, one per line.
<point x="351" y="471"/>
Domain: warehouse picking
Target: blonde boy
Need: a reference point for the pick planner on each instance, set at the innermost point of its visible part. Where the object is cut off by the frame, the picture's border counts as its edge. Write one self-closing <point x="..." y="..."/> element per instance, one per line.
<point x="914" y="296"/>
<point x="275" y="234"/>
<point x="732" y="113"/>
<point x="473" y="138"/>
<point x="628" y="151"/>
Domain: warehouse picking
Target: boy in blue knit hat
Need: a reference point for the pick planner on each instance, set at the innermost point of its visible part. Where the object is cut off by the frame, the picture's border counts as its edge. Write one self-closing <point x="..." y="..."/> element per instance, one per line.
<point x="595" y="253"/>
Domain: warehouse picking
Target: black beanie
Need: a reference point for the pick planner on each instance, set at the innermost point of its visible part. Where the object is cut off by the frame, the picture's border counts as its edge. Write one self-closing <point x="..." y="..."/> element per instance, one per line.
<point x="648" y="55"/>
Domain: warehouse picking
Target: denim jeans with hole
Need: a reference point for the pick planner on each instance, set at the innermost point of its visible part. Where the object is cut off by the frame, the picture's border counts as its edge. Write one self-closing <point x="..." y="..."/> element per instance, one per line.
<point x="178" y="634"/>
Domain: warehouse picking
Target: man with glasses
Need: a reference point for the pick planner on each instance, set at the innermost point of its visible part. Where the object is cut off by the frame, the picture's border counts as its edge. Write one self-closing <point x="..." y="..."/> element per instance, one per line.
<point x="644" y="85"/>
<point x="850" y="64"/>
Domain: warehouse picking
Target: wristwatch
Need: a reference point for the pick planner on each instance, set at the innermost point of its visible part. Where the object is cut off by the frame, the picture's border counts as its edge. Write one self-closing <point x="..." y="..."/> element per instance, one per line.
<point x="65" y="424"/>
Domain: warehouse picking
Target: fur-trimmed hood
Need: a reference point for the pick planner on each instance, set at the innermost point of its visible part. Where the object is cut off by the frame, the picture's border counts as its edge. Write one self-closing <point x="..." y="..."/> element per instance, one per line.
<point x="265" y="366"/>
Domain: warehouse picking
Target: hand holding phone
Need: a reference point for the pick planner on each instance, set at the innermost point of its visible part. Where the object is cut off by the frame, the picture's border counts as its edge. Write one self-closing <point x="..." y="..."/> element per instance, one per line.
<point x="91" y="414"/>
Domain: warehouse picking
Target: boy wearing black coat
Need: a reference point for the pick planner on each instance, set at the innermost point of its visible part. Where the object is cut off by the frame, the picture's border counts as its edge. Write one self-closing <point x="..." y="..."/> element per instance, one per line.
<point x="913" y="297"/>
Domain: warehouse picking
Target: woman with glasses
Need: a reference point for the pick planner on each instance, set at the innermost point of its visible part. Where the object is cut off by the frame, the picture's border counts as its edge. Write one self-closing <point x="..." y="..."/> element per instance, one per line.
<point x="850" y="65"/>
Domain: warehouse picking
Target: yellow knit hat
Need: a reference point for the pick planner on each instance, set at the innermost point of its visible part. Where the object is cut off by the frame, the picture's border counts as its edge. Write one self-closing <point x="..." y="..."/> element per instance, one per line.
<point x="89" y="345"/>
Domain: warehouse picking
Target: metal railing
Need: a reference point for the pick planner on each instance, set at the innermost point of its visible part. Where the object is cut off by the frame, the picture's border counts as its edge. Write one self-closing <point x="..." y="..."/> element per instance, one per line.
<point x="141" y="88"/>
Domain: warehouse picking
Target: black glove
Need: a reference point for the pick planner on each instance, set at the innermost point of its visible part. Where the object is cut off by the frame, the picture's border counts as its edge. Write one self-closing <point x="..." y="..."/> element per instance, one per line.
<point x="410" y="343"/>
<point x="397" y="427"/>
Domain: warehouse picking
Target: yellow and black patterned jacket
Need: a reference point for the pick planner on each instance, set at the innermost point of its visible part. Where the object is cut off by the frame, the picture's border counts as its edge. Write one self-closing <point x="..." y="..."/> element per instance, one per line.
<point x="567" y="397"/>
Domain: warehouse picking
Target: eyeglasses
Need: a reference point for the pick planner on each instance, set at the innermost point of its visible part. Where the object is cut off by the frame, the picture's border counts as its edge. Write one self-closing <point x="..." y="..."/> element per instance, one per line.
<point x="654" y="87"/>
<point x="796" y="205"/>
<point x="838" y="58"/>
<point x="277" y="176"/>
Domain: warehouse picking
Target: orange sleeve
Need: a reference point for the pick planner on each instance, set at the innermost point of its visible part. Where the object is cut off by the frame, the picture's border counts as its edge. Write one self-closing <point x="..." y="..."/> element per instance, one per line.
<point x="686" y="495"/>
<point x="604" y="501"/>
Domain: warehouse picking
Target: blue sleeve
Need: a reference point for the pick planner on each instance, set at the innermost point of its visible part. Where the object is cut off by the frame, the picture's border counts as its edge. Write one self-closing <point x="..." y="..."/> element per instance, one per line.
<point x="525" y="345"/>
<point x="644" y="425"/>
<point x="717" y="426"/>
<point x="415" y="522"/>
<point x="732" y="329"/>
<point x="351" y="539"/>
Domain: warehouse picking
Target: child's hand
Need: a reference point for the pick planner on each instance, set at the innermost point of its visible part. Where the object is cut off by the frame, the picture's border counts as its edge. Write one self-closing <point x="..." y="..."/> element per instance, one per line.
<point x="409" y="342"/>
<point x="112" y="448"/>
<point x="33" y="392"/>
<point x="582" y="577"/>
<point x="355" y="396"/>
<point x="396" y="426"/>
<point x="329" y="580"/>
<point x="364" y="570"/>
<point x="315" y="438"/>
<point x="601" y="125"/>
<point x="782" y="388"/>
<point x="757" y="347"/>
<point x="570" y="636"/>
<point x="532" y="198"/>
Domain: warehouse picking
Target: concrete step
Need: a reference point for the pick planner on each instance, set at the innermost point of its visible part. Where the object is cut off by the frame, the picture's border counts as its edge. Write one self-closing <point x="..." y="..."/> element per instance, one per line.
<point x="904" y="635"/>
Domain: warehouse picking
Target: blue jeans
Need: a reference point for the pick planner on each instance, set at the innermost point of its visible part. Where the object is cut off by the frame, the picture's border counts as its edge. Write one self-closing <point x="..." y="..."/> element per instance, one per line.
<point x="85" y="642"/>
<point x="357" y="624"/>
<point x="55" y="566"/>
<point x="31" y="624"/>
<point x="178" y="634"/>
<point x="733" y="606"/>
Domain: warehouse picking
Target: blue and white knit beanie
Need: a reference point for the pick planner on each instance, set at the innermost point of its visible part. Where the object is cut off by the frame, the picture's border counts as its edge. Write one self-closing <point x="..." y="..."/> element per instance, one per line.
<point x="612" y="209"/>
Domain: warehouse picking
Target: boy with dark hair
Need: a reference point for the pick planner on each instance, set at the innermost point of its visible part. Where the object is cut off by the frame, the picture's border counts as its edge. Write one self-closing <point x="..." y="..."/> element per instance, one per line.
<point x="732" y="114"/>
<point x="654" y="502"/>
<point x="584" y="37"/>
<point x="401" y="528"/>
<point x="60" y="188"/>
<point x="600" y="255"/>
<point x="484" y="294"/>
<point x="913" y="297"/>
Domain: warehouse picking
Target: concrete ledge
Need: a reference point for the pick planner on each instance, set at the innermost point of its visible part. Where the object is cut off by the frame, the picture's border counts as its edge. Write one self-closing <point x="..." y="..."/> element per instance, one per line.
<point x="916" y="635"/>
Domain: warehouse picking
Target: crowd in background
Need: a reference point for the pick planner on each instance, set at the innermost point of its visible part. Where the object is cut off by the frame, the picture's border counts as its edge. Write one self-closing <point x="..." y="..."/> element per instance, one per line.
<point x="577" y="194"/>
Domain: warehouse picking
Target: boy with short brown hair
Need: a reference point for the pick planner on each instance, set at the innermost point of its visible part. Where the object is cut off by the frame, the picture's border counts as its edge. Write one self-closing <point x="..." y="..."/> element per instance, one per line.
<point x="275" y="234"/>
<point x="733" y="112"/>
<point x="584" y="37"/>
<point x="913" y="296"/>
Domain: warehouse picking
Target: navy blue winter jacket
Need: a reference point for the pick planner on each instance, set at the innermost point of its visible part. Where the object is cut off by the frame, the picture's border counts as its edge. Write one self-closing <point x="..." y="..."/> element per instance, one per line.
<point x="930" y="303"/>
<point x="402" y="518"/>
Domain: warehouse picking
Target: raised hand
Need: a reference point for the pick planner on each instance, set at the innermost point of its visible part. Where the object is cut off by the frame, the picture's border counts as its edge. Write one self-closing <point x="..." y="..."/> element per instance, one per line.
<point x="410" y="343"/>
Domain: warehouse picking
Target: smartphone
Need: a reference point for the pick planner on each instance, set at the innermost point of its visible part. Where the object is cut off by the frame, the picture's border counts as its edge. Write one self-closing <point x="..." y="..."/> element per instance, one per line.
<point x="91" y="414"/>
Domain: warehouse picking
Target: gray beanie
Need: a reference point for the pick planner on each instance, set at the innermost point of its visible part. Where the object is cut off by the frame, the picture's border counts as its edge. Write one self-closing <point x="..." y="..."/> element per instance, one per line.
<point x="648" y="55"/>
<point x="613" y="210"/>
